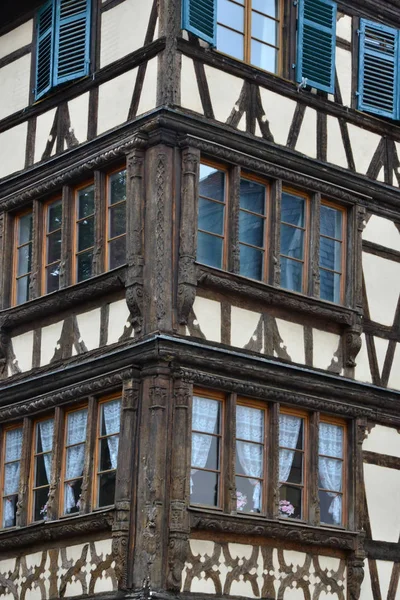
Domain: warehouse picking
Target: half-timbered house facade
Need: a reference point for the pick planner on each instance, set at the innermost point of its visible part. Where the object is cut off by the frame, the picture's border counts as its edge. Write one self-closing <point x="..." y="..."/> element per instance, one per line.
<point x="199" y="299"/>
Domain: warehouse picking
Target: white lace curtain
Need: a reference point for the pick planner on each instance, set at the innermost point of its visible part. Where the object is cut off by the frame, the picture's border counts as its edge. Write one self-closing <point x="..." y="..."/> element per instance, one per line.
<point x="204" y="418"/>
<point x="330" y="470"/>
<point x="11" y="475"/>
<point x="112" y="416"/>
<point x="46" y="429"/>
<point x="76" y="455"/>
<point x="250" y="426"/>
<point x="289" y="429"/>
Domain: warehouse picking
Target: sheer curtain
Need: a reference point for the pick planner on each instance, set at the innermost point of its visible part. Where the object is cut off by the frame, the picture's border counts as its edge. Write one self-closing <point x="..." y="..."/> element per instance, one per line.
<point x="11" y="475"/>
<point x="330" y="470"/>
<point x="112" y="415"/>
<point x="289" y="428"/>
<point x="46" y="429"/>
<point x="76" y="454"/>
<point x="250" y="426"/>
<point x="204" y="418"/>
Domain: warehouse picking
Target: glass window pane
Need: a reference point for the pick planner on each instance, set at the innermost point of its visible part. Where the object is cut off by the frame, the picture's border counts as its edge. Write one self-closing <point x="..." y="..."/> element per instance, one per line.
<point x="110" y="417"/>
<point x="11" y="478"/>
<point x="252" y="196"/>
<point x="108" y="453"/>
<point x="249" y="460"/>
<point x="251" y="229"/>
<point x="211" y="216"/>
<point x="331" y="222"/>
<point x="264" y="57"/>
<point x="54" y="216"/>
<point x="330" y="506"/>
<point x="250" y="424"/>
<point x="330" y="473"/>
<point x="292" y="463"/>
<point x="206" y="415"/>
<point x="291" y="431"/>
<point x="86" y="202"/>
<point x="40" y="504"/>
<point x="23" y="289"/>
<point x="331" y="439"/>
<point x="76" y="427"/>
<point x="13" y="444"/>
<point x="53" y="247"/>
<point x="85" y="234"/>
<point x="291" y="275"/>
<point x="330" y="254"/>
<point x="251" y="262"/>
<point x="24" y="229"/>
<point x="205" y="451"/>
<point x="231" y="14"/>
<point x="330" y="286"/>
<point x="43" y="469"/>
<point x="204" y="488"/>
<point x="248" y="495"/>
<point x="292" y="241"/>
<point x="264" y="29"/>
<point x="117" y="220"/>
<point x="117" y="252"/>
<point x="230" y="42"/>
<point x="106" y="492"/>
<point x="72" y="496"/>
<point x="291" y="502"/>
<point x="268" y="7"/>
<point x="84" y="266"/>
<point x="209" y="249"/>
<point x="10" y="511"/>
<point x="212" y="183"/>
<point x="117" y="187"/>
<point x="24" y="260"/>
<point x="52" y="278"/>
<point x="293" y="210"/>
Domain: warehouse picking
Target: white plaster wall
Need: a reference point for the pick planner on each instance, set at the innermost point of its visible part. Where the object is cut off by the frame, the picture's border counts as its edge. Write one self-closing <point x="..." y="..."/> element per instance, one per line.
<point x="12" y="149"/>
<point x="366" y="587"/>
<point x="118" y="314"/>
<point x="224" y="91"/>
<point x="384" y="440"/>
<point x="324" y="347"/>
<point x="343" y="27"/>
<point x="14" y="80"/>
<point x="381" y="347"/>
<point x="394" y="378"/>
<point x="385" y="569"/>
<point x="23" y="349"/>
<point x="292" y="335"/>
<point x="50" y="338"/>
<point x="279" y="111"/>
<point x="382" y="282"/>
<point x="335" y="149"/>
<point x="343" y="68"/>
<point x="44" y="124"/>
<point x="123" y="29"/>
<point x="89" y="328"/>
<point x="363" y="143"/>
<point x="115" y="97"/>
<point x="382" y="231"/>
<point x="78" y="112"/>
<point x="243" y="325"/>
<point x="148" y="96"/>
<point x="382" y="488"/>
<point x="362" y="370"/>
<point x="190" y="97"/>
<point x="16" y="38"/>
<point x="208" y="317"/>
<point x="307" y="140"/>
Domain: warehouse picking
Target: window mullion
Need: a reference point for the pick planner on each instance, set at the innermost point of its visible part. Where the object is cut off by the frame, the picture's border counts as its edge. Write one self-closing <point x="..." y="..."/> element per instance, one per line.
<point x="67" y="236"/>
<point x="23" y="496"/>
<point x="232" y="241"/>
<point x="229" y="454"/>
<point x="274" y="218"/>
<point x="313" y="258"/>
<point x="37" y="245"/>
<point x="272" y="475"/>
<point x="312" y="478"/>
<point x="100" y="221"/>
<point x="247" y="32"/>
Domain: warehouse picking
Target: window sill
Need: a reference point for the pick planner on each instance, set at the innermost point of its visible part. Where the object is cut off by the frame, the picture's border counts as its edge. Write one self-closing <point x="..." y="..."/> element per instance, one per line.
<point x="285" y="301"/>
<point x="68" y="527"/>
<point x="294" y="532"/>
<point x="64" y="299"/>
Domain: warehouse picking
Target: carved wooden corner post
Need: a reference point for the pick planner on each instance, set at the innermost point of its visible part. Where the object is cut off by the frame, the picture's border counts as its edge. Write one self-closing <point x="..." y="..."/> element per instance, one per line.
<point x="169" y="61"/>
<point x="149" y="550"/>
<point x="355" y="565"/>
<point x="158" y="236"/>
<point x="123" y="487"/>
<point x="135" y="194"/>
<point x="179" y="530"/>
<point x="187" y="279"/>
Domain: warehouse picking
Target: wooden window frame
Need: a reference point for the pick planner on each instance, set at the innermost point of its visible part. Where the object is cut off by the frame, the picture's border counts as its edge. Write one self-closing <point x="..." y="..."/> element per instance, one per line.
<point x="345" y="470"/>
<point x="75" y="224"/>
<point x="32" y="488"/>
<point x="3" y="464"/>
<point x="16" y="247"/>
<point x="344" y="241"/>
<point x="108" y="206"/>
<point x="44" y="250"/>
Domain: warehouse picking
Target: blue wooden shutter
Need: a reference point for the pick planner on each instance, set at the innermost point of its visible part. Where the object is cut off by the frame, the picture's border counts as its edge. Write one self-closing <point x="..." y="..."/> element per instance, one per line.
<point x="72" y="37"/>
<point x="378" y="69"/>
<point x="200" y="17"/>
<point x="316" y="44"/>
<point x="44" y="49"/>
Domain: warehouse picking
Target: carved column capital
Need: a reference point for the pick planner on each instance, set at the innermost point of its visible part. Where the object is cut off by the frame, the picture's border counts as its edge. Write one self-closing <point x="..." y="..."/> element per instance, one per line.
<point x="352" y="345"/>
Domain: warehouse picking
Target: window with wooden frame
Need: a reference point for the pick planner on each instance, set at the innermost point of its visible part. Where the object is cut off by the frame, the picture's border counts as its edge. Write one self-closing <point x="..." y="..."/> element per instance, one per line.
<point x="41" y="468"/>
<point x="116" y="219"/>
<point x="292" y="449"/>
<point x="106" y="457"/>
<point x="310" y="232"/>
<point x="10" y="474"/>
<point x="84" y="232"/>
<point x="52" y="246"/>
<point x="23" y="257"/>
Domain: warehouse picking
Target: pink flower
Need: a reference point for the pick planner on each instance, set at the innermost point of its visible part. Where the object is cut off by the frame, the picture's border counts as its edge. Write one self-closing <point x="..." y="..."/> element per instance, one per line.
<point x="241" y="500"/>
<point x="286" y="508"/>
